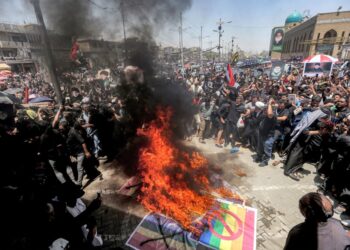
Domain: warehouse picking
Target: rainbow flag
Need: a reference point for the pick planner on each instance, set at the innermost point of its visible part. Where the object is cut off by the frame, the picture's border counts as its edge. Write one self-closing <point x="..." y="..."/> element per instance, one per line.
<point x="230" y="227"/>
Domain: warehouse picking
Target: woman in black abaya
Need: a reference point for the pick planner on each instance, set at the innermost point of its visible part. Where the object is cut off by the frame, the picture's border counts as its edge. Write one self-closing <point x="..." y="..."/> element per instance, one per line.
<point x="307" y="146"/>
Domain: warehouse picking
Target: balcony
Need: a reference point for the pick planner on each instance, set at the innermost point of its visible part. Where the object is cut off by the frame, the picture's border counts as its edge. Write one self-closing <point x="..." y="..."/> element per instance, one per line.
<point x="11" y="44"/>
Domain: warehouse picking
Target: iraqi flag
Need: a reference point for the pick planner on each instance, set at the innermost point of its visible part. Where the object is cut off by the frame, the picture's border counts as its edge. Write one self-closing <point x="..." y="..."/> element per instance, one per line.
<point x="229" y="75"/>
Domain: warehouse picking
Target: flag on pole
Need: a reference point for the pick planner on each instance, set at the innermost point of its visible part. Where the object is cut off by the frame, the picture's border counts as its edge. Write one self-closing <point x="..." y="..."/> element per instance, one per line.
<point x="229" y="76"/>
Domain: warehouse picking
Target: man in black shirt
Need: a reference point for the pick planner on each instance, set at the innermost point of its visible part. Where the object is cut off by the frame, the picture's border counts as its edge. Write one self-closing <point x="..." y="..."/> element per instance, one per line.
<point x="266" y="139"/>
<point x="78" y="149"/>
<point x="282" y="123"/>
<point x="235" y="110"/>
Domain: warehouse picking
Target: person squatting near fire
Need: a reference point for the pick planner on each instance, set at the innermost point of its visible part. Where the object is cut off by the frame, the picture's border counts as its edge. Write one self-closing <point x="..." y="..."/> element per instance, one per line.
<point x="303" y="119"/>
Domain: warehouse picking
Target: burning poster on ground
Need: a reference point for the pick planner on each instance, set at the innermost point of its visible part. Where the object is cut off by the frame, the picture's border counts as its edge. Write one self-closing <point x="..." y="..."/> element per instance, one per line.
<point x="226" y="226"/>
<point x="189" y="205"/>
<point x="175" y="182"/>
<point x="156" y="231"/>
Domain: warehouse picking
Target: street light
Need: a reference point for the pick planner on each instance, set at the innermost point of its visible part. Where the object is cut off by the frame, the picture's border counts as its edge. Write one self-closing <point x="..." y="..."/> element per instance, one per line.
<point x="220" y="31"/>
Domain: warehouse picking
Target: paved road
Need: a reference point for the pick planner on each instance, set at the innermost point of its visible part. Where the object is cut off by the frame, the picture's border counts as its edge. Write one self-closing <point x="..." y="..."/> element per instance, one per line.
<point x="266" y="188"/>
<point x="273" y="194"/>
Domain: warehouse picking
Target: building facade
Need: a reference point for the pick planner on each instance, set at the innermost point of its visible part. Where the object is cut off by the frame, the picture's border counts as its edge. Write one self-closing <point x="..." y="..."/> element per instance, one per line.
<point x="278" y="34"/>
<point x="100" y="52"/>
<point x="325" y="33"/>
<point x="21" y="47"/>
<point x="15" y="47"/>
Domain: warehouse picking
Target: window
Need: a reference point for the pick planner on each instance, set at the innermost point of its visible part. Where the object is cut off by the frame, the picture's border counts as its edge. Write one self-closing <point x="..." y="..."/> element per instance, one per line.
<point x="19" y="38"/>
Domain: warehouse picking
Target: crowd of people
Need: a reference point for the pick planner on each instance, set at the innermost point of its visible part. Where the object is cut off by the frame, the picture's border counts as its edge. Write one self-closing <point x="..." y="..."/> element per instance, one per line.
<point x="50" y="151"/>
<point x="302" y="119"/>
<point x="319" y="230"/>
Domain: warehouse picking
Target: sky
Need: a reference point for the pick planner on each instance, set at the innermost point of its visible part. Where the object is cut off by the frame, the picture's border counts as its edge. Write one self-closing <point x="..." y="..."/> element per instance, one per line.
<point x="251" y="20"/>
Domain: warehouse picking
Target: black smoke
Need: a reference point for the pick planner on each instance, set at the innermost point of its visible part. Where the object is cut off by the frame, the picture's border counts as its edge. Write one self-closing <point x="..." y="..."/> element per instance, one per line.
<point x="143" y="20"/>
<point x="72" y="17"/>
<point x="103" y="18"/>
<point x="96" y="19"/>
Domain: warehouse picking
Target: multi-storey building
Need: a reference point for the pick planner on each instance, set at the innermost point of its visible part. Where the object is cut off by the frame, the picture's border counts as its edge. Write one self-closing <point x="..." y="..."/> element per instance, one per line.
<point x="326" y="33"/>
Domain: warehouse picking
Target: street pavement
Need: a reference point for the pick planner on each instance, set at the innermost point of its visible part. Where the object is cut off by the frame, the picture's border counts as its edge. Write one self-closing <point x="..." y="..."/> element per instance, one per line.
<point x="265" y="188"/>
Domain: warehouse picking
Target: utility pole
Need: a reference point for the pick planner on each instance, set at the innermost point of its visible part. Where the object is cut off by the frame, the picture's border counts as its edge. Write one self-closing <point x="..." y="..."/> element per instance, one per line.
<point x="220" y="31"/>
<point x="123" y="21"/>
<point x="220" y="35"/>
<point x="181" y="43"/>
<point x="48" y="52"/>
<point x="201" y="48"/>
<point x="232" y="44"/>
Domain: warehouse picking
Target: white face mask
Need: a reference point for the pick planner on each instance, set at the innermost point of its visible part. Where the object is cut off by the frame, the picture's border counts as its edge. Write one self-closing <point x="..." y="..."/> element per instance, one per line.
<point x="75" y="94"/>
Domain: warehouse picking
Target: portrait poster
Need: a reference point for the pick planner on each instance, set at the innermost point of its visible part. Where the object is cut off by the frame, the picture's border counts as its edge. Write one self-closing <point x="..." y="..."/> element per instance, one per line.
<point x="277" y="39"/>
<point x="277" y="70"/>
<point x="317" y="69"/>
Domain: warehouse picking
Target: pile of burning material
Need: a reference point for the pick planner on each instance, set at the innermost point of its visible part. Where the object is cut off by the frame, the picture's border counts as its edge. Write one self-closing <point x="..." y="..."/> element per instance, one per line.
<point x="174" y="183"/>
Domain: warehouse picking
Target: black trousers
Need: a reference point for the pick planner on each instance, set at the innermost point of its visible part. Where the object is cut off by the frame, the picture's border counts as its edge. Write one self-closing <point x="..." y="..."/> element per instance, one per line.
<point x="231" y="133"/>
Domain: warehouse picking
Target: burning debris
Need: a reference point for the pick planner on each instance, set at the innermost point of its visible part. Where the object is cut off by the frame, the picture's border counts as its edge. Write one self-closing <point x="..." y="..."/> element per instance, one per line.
<point x="175" y="183"/>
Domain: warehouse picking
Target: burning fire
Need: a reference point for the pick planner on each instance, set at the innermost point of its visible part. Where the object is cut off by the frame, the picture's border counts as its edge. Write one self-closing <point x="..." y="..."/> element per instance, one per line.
<point x="175" y="183"/>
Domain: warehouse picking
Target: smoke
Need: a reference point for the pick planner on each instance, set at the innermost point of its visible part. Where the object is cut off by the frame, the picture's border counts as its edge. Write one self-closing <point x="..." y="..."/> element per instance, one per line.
<point x="72" y="17"/>
<point x="103" y="18"/>
<point x="143" y="20"/>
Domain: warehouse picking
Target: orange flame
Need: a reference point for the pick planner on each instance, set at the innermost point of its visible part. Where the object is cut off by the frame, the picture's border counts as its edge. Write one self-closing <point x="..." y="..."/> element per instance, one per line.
<point x="175" y="183"/>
